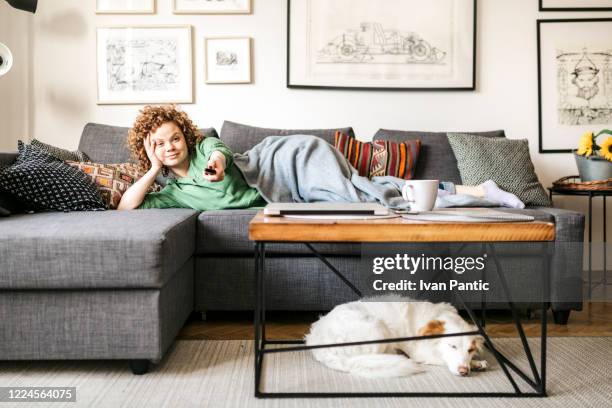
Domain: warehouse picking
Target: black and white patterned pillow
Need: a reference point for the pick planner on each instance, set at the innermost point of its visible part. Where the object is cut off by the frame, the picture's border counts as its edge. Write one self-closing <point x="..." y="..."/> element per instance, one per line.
<point x="59" y="153"/>
<point x="46" y="183"/>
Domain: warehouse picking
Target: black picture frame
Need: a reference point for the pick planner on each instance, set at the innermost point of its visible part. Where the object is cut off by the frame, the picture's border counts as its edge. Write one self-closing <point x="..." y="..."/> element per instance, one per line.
<point x="542" y="8"/>
<point x="540" y="23"/>
<point x="472" y="86"/>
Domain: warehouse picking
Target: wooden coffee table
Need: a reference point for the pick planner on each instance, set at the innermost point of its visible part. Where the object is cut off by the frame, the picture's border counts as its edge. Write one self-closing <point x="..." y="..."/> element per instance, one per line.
<point x="266" y="229"/>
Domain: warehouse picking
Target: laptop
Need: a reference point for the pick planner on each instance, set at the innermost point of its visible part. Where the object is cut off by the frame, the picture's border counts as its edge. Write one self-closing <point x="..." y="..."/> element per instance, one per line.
<point x="326" y="208"/>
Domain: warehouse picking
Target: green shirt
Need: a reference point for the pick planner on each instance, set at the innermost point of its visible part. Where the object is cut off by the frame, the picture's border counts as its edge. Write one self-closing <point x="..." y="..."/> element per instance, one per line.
<point x="200" y="194"/>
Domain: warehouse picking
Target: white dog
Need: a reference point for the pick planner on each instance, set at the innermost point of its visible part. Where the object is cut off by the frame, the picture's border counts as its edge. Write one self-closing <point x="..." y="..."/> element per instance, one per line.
<point x="391" y="317"/>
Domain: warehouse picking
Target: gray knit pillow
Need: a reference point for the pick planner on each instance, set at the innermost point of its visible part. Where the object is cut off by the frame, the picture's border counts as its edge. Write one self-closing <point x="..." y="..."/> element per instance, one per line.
<point x="505" y="161"/>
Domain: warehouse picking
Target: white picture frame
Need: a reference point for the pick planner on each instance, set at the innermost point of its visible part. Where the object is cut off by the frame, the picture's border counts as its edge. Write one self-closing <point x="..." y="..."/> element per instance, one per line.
<point x="574" y="81"/>
<point x="228" y="60"/>
<point x="144" y="64"/>
<point x="212" y="6"/>
<point x="383" y="44"/>
<point x="125" y="6"/>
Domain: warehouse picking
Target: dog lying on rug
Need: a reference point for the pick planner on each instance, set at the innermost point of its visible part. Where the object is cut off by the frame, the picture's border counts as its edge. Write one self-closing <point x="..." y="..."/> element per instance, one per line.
<point x="392" y="317"/>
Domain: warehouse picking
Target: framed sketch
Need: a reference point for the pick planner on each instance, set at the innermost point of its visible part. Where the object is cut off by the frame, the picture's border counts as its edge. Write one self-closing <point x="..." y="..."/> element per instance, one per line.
<point x="574" y="80"/>
<point x="228" y="60"/>
<point x="212" y="6"/>
<point x="144" y="64"/>
<point x="125" y="6"/>
<point x="575" y="5"/>
<point x="383" y="44"/>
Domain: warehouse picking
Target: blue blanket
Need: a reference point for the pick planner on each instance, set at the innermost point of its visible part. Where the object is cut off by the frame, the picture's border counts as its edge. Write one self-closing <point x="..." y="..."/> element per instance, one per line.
<point x="306" y="169"/>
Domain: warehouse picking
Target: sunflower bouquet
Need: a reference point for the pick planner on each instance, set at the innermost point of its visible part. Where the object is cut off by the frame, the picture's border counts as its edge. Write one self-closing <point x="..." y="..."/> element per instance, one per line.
<point x="587" y="146"/>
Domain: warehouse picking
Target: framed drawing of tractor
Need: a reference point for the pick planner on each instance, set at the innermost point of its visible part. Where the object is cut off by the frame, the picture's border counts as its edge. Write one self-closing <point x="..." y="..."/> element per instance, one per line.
<point x="383" y="44"/>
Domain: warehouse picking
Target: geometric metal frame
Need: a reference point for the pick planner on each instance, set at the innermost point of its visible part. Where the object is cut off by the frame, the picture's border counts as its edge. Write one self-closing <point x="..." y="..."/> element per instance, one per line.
<point x="537" y="381"/>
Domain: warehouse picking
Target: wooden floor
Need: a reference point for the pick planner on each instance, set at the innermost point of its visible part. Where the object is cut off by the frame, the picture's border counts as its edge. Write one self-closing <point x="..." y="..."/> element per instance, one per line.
<point x="593" y="321"/>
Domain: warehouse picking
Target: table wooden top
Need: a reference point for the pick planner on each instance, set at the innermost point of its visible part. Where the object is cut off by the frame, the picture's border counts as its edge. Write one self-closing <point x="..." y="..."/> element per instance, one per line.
<point x="282" y="229"/>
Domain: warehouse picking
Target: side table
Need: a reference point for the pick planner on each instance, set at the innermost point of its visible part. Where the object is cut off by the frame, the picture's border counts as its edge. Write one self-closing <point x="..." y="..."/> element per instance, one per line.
<point x="604" y="189"/>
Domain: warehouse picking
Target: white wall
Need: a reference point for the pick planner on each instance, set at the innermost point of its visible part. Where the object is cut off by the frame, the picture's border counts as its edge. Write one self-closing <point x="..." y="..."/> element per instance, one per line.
<point x="15" y="92"/>
<point x="64" y="87"/>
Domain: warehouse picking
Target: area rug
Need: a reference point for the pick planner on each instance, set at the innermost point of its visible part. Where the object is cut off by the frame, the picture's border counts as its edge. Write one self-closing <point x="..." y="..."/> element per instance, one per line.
<point x="220" y="374"/>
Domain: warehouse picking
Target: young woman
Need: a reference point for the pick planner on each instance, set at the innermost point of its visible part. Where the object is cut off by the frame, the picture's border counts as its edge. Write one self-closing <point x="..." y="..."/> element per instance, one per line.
<point x="206" y="175"/>
<point x="164" y="139"/>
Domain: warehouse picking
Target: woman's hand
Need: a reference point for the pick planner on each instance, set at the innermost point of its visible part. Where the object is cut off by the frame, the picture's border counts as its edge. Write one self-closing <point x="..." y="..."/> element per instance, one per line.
<point x="217" y="163"/>
<point x="149" y="146"/>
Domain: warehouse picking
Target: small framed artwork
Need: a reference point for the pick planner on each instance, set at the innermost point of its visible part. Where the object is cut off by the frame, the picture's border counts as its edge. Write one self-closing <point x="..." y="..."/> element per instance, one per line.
<point x="144" y="64"/>
<point x="575" y="5"/>
<point x="125" y="6"/>
<point x="574" y="81"/>
<point x="383" y="44"/>
<point x="212" y="6"/>
<point x="228" y="60"/>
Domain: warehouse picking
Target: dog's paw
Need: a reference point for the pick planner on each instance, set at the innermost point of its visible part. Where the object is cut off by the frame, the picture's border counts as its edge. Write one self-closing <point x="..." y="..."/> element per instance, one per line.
<point x="479" y="365"/>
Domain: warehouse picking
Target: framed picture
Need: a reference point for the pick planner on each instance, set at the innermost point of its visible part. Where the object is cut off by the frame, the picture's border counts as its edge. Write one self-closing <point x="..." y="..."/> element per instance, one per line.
<point x="575" y="5"/>
<point x="212" y="6"/>
<point x="144" y="64"/>
<point x="574" y="80"/>
<point x="383" y="44"/>
<point x="228" y="60"/>
<point x="125" y="6"/>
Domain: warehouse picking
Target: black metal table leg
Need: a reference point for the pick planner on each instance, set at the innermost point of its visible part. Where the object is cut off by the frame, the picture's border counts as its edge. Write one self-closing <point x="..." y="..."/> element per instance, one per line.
<point x="543" y="321"/>
<point x="590" y="244"/>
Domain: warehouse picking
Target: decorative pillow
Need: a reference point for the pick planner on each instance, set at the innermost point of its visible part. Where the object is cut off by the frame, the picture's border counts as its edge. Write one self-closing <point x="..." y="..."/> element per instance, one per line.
<point x="10" y="205"/>
<point x="46" y="183"/>
<point x="59" y="153"/>
<point x="240" y="138"/>
<point x="505" y="161"/>
<point x="380" y="157"/>
<point x="436" y="158"/>
<point x="112" y="179"/>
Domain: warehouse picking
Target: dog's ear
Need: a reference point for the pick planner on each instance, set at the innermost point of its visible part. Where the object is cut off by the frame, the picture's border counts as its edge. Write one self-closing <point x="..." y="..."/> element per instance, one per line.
<point x="479" y="344"/>
<point x="432" y="327"/>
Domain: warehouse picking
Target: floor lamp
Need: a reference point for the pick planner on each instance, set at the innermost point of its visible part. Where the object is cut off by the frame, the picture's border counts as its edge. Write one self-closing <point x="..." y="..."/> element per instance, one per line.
<point x="6" y="57"/>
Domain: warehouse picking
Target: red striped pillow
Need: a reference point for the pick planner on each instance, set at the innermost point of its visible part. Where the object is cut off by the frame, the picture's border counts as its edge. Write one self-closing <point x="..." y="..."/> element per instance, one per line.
<point x="380" y="157"/>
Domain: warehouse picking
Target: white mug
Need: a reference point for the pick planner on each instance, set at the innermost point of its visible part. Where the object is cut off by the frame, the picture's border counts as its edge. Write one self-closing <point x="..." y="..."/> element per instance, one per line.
<point x="421" y="194"/>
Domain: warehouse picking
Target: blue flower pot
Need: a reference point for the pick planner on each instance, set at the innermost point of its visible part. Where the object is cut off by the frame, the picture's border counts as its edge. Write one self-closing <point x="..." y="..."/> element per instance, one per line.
<point x="593" y="168"/>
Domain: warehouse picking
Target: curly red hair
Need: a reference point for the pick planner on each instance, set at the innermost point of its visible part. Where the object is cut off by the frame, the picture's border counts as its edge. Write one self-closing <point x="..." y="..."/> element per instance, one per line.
<point x="149" y="120"/>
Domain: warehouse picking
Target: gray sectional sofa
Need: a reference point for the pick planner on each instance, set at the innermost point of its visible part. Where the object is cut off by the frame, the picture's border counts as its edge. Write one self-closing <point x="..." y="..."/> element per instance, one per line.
<point x="120" y="285"/>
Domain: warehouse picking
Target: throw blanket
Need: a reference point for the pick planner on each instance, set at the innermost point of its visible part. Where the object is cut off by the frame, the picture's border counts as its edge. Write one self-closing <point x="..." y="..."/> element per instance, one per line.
<point x="306" y="169"/>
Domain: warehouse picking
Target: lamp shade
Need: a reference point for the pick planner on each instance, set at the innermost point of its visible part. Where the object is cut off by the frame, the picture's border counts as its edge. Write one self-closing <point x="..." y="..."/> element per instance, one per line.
<point x="6" y="59"/>
<point x="25" y="5"/>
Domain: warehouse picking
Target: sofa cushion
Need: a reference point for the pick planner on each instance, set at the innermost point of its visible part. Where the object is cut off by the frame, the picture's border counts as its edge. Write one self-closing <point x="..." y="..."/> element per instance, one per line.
<point x="46" y="183"/>
<point x="241" y="138"/>
<point x="227" y="232"/>
<point x="380" y="157"/>
<point x="59" y="153"/>
<point x="108" y="144"/>
<point x="506" y="162"/>
<point x="113" y="180"/>
<point x="436" y="159"/>
<point x="110" y="249"/>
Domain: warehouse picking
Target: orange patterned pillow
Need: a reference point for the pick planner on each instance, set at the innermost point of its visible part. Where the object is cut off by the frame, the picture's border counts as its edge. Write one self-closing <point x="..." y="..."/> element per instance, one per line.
<point x="112" y="179"/>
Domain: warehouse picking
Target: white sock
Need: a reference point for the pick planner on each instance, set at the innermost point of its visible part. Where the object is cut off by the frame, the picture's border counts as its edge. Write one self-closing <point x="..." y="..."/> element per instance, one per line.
<point x="494" y="193"/>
